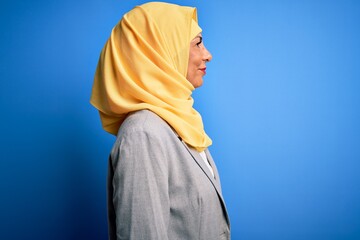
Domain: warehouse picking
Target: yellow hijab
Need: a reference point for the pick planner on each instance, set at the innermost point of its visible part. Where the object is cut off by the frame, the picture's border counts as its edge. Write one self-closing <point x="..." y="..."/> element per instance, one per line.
<point x="143" y="65"/>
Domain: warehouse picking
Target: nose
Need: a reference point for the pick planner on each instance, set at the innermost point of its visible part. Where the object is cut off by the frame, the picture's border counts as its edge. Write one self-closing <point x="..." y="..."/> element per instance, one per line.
<point x="207" y="55"/>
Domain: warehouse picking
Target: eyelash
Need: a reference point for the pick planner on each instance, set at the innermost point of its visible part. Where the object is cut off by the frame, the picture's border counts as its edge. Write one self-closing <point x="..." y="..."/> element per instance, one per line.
<point x="199" y="42"/>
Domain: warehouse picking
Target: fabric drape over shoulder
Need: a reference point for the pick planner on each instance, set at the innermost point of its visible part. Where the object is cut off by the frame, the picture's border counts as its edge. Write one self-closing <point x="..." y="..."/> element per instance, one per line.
<point x="143" y="65"/>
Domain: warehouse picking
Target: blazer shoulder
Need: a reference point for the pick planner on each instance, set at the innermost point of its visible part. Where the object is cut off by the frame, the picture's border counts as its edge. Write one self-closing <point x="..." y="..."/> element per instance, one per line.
<point x="147" y="122"/>
<point x="142" y="129"/>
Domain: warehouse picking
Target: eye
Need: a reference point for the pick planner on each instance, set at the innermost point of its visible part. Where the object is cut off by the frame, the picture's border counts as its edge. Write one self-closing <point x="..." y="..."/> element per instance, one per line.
<point x="200" y="41"/>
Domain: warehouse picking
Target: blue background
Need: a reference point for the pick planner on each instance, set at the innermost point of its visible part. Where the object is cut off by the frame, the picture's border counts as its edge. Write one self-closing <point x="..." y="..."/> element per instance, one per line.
<point x="280" y="101"/>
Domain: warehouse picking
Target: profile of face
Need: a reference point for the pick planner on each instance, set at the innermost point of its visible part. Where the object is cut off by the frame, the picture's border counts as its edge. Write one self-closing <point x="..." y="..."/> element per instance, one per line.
<point x="198" y="58"/>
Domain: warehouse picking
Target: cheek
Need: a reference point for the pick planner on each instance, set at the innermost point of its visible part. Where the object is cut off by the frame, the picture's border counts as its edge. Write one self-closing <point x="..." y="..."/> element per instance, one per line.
<point x="191" y="65"/>
<point x="195" y="62"/>
<point x="196" y="59"/>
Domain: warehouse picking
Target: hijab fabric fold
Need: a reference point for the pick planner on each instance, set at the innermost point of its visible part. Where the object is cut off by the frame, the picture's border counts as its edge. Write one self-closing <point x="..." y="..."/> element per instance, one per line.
<point x="143" y="65"/>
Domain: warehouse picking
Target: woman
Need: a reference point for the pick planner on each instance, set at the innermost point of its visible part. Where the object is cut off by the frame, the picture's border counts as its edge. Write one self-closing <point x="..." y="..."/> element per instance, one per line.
<point x="163" y="183"/>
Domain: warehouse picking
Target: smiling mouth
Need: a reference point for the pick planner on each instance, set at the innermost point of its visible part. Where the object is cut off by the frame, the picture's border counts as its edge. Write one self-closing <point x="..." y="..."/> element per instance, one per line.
<point x="203" y="70"/>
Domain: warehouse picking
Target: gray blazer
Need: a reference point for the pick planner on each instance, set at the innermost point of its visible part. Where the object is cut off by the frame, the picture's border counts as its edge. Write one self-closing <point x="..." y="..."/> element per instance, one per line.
<point x="159" y="188"/>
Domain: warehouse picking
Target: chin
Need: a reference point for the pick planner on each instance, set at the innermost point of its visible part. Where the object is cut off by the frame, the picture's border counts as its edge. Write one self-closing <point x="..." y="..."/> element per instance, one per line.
<point x="198" y="83"/>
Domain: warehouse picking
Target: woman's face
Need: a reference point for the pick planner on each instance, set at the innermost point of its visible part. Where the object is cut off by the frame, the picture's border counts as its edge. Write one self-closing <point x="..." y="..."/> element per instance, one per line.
<point x="198" y="57"/>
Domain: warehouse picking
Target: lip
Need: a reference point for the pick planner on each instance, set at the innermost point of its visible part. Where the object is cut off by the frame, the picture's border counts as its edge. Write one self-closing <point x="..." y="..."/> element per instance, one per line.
<point x="203" y="70"/>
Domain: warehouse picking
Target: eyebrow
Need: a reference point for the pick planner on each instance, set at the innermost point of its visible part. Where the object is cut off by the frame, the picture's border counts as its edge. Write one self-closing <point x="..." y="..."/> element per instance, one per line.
<point x="201" y="38"/>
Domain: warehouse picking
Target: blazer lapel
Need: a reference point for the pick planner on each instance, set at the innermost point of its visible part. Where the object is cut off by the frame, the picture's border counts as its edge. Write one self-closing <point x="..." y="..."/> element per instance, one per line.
<point x="212" y="164"/>
<point x="213" y="179"/>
